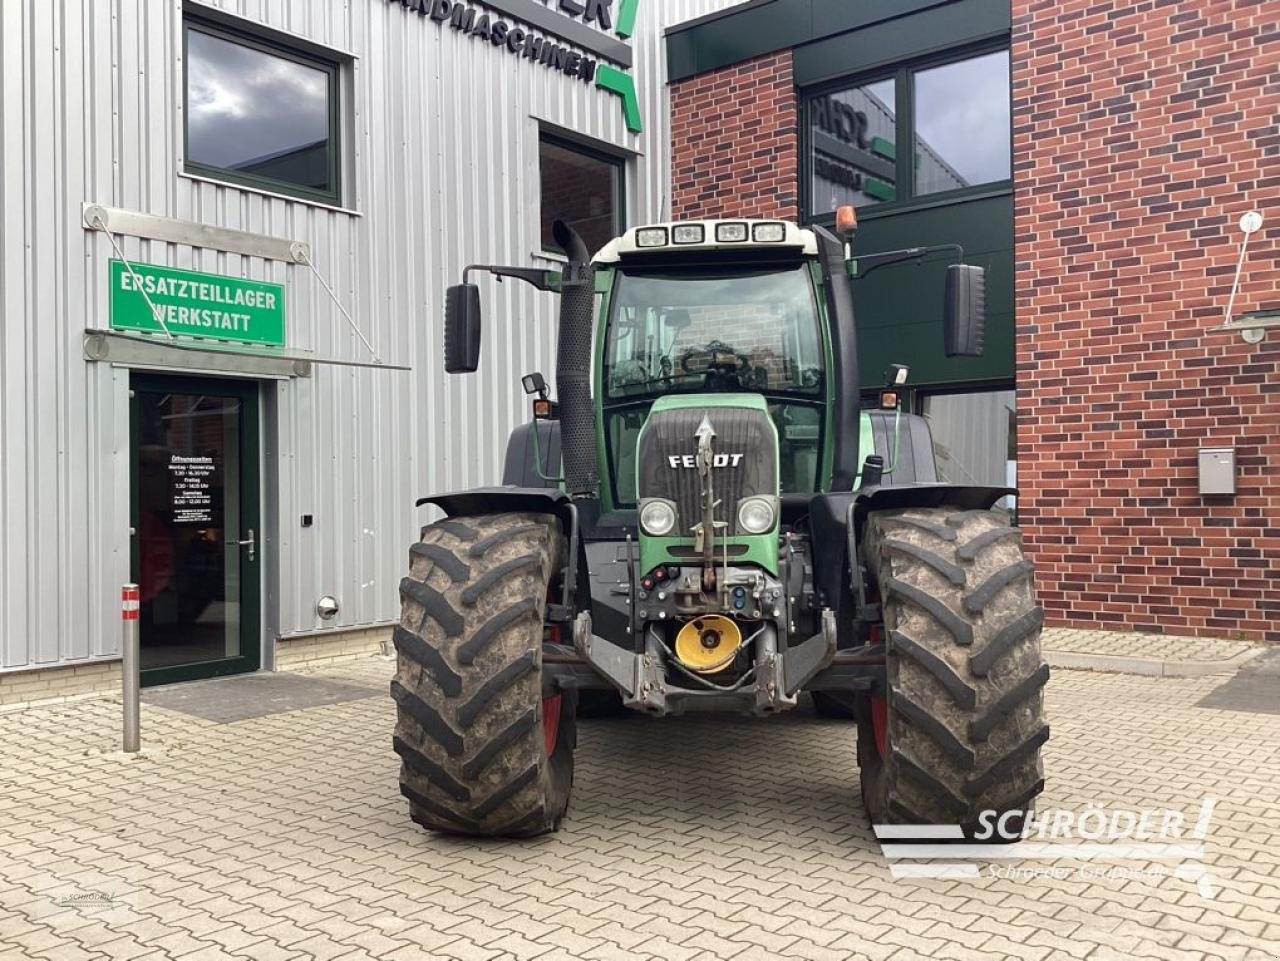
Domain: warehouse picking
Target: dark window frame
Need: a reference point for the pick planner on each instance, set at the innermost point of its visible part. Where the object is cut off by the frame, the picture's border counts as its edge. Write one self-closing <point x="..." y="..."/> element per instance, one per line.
<point x="903" y="74"/>
<point x="617" y="161"/>
<point x="807" y="96"/>
<point x="245" y="38"/>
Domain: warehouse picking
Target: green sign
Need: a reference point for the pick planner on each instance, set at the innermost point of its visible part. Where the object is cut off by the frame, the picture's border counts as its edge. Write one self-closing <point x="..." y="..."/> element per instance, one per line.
<point x="193" y="304"/>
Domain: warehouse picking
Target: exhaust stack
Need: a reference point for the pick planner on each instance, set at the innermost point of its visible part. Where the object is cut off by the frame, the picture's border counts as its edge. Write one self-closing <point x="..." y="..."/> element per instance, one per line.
<point x="573" y="366"/>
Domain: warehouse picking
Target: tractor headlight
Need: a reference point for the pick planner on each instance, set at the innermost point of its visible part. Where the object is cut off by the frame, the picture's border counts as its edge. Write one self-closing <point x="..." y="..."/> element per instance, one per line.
<point x="657" y="517"/>
<point x="756" y="515"/>
<point x="651" y="237"/>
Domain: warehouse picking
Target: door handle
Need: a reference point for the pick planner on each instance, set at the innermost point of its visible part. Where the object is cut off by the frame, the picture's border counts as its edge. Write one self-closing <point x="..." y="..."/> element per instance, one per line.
<point x="249" y="542"/>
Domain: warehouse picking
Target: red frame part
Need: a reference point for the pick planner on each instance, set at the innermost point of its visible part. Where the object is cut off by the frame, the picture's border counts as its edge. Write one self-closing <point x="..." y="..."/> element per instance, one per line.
<point x="551" y="721"/>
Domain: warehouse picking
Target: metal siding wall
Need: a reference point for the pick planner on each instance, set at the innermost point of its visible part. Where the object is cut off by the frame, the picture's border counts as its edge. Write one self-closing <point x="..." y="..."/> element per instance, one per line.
<point x="441" y="138"/>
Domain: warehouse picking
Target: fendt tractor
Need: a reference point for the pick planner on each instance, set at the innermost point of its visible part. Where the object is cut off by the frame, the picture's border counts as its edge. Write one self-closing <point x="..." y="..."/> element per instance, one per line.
<point x="703" y="518"/>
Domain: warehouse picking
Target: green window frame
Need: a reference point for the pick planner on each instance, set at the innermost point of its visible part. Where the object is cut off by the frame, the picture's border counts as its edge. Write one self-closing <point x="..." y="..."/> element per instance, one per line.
<point x="619" y="165"/>
<point x="903" y="75"/>
<point x="331" y="67"/>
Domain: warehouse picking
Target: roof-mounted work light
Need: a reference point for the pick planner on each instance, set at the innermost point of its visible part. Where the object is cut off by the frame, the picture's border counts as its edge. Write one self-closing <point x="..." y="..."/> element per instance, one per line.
<point x="651" y="237"/>
<point x="534" y="383"/>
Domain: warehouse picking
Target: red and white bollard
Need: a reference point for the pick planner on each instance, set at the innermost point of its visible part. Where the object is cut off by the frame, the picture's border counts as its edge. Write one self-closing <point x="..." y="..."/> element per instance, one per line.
<point x="129" y="652"/>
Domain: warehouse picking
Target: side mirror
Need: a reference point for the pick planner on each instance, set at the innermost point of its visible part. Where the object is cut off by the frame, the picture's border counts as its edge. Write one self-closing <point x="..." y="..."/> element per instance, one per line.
<point x="964" y="319"/>
<point x="462" y="329"/>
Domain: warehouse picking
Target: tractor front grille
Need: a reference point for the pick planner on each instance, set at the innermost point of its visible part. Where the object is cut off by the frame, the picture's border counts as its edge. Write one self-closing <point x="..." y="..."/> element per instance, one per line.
<point x="746" y="448"/>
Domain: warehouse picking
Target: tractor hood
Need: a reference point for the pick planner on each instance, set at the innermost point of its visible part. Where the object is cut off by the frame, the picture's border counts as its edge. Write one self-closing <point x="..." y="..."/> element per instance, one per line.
<point x="736" y="437"/>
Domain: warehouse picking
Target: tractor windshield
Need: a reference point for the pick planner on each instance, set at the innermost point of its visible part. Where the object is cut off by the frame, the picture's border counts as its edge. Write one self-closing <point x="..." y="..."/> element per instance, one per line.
<point x="708" y="331"/>
<point x="713" y="330"/>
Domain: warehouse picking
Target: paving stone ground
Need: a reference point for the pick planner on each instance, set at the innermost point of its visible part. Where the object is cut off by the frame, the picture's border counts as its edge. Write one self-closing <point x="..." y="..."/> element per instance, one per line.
<point x="1137" y="644"/>
<point x="285" y="837"/>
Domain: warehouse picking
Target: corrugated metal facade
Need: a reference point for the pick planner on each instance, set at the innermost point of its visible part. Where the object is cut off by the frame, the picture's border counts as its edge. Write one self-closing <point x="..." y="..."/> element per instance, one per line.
<point x="441" y="135"/>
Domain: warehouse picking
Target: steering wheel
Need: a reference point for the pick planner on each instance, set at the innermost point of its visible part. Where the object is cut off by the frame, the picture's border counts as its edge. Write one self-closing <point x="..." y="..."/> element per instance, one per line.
<point x="713" y="350"/>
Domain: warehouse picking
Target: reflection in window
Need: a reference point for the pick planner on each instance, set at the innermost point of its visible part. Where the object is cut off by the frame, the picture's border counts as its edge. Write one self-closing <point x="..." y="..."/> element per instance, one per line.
<point x="727" y="329"/>
<point x="852" y="135"/>
<point x="624" y="437"/>
<point x="974" y="437"/>
<point x="962" y="123"/>
<point x="582" y="188"/>
<point x="262" y="116"/>
<point x="799" y="432"/>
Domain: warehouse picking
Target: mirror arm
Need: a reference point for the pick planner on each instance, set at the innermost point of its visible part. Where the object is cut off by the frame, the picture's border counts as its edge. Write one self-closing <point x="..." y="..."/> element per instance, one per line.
<point x="542" y="279"/>
<point x="868" y="262"/>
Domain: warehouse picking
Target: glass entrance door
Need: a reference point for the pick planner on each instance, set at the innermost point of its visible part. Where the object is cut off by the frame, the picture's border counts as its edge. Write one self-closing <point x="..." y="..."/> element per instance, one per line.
<point x="197" y="536"/>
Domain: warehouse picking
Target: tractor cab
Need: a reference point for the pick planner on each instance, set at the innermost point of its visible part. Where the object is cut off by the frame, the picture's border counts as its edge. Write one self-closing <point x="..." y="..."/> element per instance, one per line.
<point x="713" y="309"/>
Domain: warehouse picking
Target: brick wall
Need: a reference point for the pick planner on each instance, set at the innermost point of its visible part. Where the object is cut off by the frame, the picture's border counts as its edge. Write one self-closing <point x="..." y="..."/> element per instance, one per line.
<point x="327" y="647"/>
<point x="1142" y="133"/>
<point x="734" y="142"/>
<point x="21" y="689"/>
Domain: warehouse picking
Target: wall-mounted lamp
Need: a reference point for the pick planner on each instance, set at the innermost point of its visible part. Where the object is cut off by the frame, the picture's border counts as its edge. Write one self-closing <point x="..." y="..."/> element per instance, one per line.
<point x="327" y="607"/>
<point x="1253" y="327"/>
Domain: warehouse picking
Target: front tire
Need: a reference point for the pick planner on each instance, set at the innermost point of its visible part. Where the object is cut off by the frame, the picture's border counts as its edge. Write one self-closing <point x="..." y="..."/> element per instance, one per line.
<point x="961" y="725"/>
<point x="482" y="751"/>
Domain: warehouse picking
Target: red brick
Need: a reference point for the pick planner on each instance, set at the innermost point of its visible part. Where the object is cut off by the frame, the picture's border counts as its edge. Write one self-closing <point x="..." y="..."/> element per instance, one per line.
<point x="1138" y="146"/>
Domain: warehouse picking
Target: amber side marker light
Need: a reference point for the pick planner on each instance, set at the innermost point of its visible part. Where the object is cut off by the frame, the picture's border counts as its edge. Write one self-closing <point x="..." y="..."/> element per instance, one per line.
<point x="888" y="400"/>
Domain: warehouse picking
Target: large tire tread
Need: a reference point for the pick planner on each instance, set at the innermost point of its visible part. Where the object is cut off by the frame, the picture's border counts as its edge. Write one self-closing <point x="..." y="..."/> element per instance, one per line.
<point x="468" y="686"/>
<point x="965" y="671"/>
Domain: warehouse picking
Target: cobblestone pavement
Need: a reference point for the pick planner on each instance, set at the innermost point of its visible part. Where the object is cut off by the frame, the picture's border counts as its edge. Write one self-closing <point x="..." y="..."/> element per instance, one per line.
<point x="284" y="837"/>
<point x="1135" y="644"/>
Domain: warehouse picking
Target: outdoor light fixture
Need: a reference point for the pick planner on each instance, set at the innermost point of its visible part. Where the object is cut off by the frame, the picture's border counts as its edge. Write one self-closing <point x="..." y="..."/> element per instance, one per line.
<point x="327" y="607"/>
<point x="768" y="233"/>
<point x="731" y="233"/>
<point x="689" y="234"/>
<point x="651" y="237"/>
<point x="898" y="374"/>
<point x="1253" y="327"/>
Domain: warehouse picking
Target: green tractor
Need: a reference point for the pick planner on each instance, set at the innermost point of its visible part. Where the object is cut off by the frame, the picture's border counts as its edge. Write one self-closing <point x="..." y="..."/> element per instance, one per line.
<point x="730" y="531"/>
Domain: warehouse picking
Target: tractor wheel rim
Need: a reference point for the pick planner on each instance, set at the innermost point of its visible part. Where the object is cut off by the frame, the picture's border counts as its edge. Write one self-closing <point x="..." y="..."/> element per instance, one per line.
<point x="880" y="724"/>
<point x="551" y="722"/>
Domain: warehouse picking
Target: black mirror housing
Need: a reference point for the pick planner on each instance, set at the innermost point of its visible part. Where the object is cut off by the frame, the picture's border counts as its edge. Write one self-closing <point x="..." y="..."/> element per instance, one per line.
<point x="964" y="321"/>
<point x="462" y="329"/>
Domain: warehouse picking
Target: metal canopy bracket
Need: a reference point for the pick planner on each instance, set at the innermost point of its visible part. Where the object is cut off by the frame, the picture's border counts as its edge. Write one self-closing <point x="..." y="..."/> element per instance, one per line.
<point x="133" y="223"/>
<point x="208" y="356"/>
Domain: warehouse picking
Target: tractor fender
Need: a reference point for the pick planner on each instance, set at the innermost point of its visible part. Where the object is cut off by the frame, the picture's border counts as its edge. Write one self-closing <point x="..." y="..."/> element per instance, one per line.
<point x="837" y="519"/>
<point x="529" y="500"/>
<point x="888" y="498"/>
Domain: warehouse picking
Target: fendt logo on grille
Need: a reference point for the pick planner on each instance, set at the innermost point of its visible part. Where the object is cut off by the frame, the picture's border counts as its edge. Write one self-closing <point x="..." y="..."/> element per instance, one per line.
<point x="691" y="460"/>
